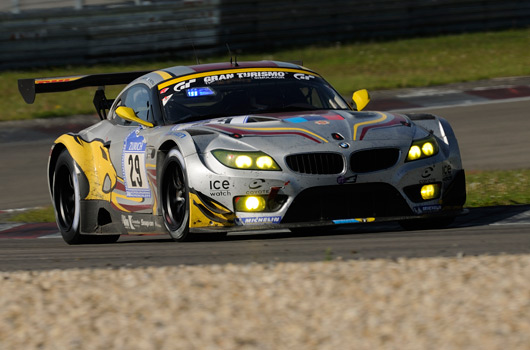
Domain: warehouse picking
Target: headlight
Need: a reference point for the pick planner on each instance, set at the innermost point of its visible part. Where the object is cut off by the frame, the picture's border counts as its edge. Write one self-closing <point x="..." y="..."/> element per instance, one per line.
<point x="422" y="149"/>
<point x="246" y="160"/>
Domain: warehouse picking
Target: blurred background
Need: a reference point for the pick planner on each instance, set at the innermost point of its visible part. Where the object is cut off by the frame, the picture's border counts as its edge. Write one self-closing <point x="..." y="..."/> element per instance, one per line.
<point x="41" y="33"/>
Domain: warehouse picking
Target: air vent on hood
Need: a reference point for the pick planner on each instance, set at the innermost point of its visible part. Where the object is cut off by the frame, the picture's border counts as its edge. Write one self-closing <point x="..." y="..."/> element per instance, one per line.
<point x="315" y="163"/>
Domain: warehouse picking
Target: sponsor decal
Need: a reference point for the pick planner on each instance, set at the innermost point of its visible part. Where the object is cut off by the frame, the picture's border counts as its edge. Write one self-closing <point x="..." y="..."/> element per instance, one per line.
<point x="255" y="187"/>
<point x="427" y="181"/>
<point x="244" y="75"/>
<point x="133" y="165"/>
<point x="259" y="220"/>
<point x="427" y="172"/>
<point x="261" y="75"/>
<point x="353" y="221"/>
<point x="167" y="98"/>
<point x="220" y="77"/>
<point x="255" y="184"/>
<point x="427" y="209"/>
<point x="221" y="186"/>
<point x="164" y="90"/>
<point x="321" y="122"/>
<point x="131" y="223"/>
<point x="301" y="76"/>
<point x="341" y="180"/>
<point x="176" y="133"/>
<point x="218" y="185"/>
<point x="447" y="172"/>
<point x="183" y="85"/>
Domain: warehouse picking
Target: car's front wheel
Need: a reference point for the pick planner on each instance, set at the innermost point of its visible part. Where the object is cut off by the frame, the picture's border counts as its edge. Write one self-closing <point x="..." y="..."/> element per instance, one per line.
<point x="174" y="197"/>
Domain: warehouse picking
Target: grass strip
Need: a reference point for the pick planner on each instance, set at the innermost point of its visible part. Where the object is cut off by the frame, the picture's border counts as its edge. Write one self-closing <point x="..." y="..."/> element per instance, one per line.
<point x="348" y="67"/>
<point x="484" y="188"/>
<point x="499" y="187"/>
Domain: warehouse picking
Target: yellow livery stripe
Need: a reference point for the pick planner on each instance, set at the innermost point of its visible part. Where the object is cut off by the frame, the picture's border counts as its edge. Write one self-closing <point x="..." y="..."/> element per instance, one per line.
<point x="373" y="121"/>
<point x="164" y="75"/>
<point x="57" y="80"/>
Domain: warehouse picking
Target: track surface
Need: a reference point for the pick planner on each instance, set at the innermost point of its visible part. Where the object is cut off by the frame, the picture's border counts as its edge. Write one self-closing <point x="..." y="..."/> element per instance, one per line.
<point x="491" y="136"/>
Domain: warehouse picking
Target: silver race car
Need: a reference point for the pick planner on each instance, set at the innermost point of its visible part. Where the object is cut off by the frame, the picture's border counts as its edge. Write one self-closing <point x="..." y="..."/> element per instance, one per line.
<point x="214" y="148"/>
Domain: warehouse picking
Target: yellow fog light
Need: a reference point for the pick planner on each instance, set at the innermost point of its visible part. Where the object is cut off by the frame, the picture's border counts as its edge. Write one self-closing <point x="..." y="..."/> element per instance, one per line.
<point x="250" y="203"/>
<point x="414" y="153"/>
<point x="243" y="162"/>
<point x="427" y="149"/>
<point x="430" y="191"/>
<point x="264" y="162"/>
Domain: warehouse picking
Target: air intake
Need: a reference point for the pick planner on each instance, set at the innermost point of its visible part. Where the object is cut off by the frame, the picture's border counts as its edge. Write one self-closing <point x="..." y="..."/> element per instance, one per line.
<point x="374" y="159"/>
<point x="316" y="163"/>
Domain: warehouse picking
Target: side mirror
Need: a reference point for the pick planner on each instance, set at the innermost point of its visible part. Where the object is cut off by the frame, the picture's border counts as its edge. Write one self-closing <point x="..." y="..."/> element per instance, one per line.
<point x="361" y="98"/>
<point x="128" y="114"/>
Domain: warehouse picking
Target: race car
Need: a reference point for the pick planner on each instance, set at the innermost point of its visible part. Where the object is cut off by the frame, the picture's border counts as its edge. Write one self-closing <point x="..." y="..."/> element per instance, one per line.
<point x="210" y="149"/>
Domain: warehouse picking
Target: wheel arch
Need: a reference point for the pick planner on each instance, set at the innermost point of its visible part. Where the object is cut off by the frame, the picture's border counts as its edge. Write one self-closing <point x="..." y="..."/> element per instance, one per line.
<point x="55" y="151"/>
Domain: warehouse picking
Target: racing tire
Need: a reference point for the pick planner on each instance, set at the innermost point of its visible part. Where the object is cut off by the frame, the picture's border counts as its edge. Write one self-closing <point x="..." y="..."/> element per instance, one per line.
<point x="174" y="197"/>
<point x="426" y="224"/>
<point x="66" y="199"/>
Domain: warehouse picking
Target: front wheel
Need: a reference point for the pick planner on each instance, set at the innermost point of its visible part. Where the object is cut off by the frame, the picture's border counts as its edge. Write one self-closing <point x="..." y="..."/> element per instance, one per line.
<point x="174" y="197"/>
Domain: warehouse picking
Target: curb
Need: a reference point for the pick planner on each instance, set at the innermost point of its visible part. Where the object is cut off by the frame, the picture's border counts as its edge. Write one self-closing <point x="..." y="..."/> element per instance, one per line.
<point x="457" y="94"/>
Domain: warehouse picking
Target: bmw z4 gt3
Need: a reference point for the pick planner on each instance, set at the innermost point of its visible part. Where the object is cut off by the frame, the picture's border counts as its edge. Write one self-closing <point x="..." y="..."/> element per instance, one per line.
<point x="216" y="148"/>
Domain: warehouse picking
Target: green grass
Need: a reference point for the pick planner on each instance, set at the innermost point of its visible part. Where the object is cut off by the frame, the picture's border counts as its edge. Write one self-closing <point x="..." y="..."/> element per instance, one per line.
<point x="348" y="67"/>
<point x="502" y="187"/>
<point x="484" y="188"/>
<point x="45" y="214"/>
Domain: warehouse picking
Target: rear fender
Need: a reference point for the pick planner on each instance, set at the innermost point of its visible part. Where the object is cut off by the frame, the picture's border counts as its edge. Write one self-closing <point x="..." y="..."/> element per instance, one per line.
<point x="93" y="163"/>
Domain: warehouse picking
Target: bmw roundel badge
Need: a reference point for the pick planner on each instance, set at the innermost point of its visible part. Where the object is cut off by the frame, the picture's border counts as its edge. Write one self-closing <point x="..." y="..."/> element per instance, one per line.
<point x="344" y="145"/>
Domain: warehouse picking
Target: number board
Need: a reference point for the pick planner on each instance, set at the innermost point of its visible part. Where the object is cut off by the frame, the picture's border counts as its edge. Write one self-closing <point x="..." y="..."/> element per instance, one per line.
<point x="133" y="164"/>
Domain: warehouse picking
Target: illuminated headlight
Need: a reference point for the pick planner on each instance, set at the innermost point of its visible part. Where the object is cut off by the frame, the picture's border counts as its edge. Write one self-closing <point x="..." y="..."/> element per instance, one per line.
<point x="422" y="149"/>
<point x="246" y="160"/>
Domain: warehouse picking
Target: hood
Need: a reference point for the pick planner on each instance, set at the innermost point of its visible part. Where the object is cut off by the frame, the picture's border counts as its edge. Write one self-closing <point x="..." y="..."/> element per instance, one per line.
<point x="305" y="129"/>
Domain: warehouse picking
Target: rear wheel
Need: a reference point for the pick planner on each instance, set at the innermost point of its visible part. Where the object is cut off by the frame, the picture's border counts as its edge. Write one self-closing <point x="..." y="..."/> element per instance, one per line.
<point x="174" y="197"/>
<point x="67" y="203"/>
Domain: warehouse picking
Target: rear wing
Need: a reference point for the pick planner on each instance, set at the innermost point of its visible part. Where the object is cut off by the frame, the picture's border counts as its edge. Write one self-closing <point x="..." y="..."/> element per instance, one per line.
<point x="30" y="87"/>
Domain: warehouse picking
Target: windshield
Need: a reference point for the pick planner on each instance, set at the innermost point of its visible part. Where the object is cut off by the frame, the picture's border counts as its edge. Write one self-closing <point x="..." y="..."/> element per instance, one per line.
<point x="247" y="92"/>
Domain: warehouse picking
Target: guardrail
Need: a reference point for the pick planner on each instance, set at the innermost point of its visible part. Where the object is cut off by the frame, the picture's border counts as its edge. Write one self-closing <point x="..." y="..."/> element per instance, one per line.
<point x="113" y="30"/>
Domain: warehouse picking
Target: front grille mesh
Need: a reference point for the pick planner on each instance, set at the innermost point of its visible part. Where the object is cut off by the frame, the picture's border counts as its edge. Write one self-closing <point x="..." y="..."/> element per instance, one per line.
<point x="316" y="163"/>
<point x="374" y="159"/>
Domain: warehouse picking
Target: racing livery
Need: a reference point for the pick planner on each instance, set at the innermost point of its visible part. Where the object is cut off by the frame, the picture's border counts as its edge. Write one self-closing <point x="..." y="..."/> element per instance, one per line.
<point x="220" y="147"/>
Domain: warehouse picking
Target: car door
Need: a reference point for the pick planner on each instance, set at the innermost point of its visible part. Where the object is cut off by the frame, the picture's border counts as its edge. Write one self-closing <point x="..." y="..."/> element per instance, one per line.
<point x="128" y="149"/>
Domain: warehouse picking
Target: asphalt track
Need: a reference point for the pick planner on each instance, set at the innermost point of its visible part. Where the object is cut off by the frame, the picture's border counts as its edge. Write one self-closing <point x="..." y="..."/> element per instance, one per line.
<point x="492" y="135"/>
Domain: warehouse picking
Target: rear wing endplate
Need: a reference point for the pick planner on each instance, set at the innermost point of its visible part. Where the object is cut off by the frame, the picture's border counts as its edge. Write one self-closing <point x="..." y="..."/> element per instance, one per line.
<point x="30" y="87"/>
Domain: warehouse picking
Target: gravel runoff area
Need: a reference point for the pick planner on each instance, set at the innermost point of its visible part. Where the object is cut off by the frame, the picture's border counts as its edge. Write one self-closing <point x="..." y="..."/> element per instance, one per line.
<point x="434" y="303"/>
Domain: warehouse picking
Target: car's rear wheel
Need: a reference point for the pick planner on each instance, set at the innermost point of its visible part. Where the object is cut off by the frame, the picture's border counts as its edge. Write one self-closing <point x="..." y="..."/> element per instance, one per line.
<point x="174" y="197"/>
<point x="67" y="203"/>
